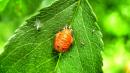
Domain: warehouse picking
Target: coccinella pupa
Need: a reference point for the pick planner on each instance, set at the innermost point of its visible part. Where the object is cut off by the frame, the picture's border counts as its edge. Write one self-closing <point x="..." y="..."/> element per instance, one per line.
<point x="63" y="40"/>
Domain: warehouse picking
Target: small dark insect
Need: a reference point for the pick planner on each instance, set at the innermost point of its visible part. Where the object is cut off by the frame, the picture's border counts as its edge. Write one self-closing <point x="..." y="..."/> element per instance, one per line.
<point x="63" y="40"/>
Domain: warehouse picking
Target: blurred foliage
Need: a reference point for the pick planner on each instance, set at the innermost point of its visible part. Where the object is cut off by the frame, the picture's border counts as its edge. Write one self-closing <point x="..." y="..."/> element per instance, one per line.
<point x="113" y="17"/>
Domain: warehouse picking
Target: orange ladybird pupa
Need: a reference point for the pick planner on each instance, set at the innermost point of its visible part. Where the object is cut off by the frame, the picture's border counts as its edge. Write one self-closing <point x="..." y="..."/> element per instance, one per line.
<point x="63" y="40"/>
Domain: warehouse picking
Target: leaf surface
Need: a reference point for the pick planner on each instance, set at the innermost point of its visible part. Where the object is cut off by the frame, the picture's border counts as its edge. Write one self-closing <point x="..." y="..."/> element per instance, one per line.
<point x="31" y="49"/>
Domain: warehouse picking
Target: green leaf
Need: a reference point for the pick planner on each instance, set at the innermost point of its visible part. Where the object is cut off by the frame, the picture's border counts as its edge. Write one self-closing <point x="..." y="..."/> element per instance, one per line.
<point x="31" y="50"/>
<point x="13" y="14"/>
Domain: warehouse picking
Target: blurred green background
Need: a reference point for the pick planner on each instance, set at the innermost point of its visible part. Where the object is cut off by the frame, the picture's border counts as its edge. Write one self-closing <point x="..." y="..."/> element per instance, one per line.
<point x="113" y="17"/>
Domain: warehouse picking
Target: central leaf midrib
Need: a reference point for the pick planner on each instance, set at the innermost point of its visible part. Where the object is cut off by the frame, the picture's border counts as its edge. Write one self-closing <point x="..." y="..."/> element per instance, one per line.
<point x="57" y="66"/>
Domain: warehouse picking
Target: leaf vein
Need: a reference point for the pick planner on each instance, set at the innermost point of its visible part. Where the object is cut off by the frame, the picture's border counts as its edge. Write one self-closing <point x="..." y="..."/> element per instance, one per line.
<point x="30" y="52"/>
